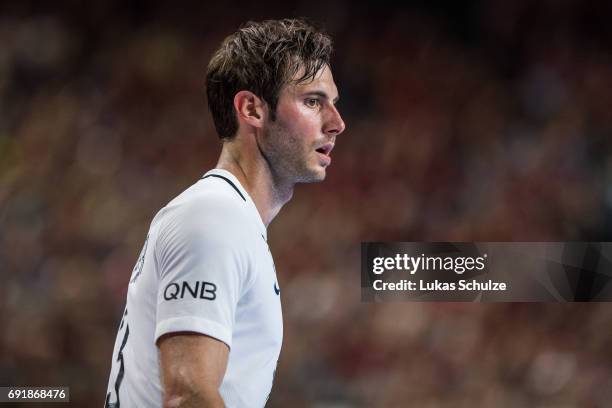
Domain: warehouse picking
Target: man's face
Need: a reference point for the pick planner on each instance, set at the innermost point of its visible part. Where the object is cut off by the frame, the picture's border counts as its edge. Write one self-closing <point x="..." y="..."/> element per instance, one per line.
<point x="297" y="145"/>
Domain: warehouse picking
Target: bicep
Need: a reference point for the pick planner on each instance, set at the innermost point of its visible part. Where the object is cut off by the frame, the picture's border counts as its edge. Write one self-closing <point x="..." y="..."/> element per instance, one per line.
<point x="191" y="364"/>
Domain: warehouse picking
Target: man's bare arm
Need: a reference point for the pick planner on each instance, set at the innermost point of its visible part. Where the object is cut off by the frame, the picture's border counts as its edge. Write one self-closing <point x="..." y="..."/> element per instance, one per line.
<point x="192" y="367"/>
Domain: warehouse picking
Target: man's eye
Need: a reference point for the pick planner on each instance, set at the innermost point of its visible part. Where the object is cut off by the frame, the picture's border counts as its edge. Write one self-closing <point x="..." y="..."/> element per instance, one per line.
<point x="312" y="102"/>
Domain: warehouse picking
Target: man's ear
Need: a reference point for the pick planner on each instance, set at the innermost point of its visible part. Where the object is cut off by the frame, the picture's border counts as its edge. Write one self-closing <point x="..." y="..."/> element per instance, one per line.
<point x="249" y="108"/>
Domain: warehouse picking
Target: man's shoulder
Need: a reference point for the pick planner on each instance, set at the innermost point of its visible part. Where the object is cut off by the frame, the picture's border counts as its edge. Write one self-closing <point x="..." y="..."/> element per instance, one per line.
<point x="205" y="195"/>
<point x="205" y="207"/>
<point x="203" y="221"/>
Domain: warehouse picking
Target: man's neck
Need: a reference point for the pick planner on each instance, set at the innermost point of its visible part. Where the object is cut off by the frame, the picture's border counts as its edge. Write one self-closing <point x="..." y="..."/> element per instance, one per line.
<point x="252" y="171"/>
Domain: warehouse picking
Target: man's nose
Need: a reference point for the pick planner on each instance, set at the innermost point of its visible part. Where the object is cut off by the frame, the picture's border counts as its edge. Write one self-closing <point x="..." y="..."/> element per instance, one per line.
<point x="335" y="125"/>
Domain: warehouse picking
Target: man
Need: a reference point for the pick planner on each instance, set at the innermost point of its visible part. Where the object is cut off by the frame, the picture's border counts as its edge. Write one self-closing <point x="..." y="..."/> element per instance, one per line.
<point x="203" y="324"/>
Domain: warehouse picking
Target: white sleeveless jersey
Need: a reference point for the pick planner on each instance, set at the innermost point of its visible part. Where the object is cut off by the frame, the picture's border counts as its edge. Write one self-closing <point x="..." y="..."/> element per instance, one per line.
<point x="205" y="267"/>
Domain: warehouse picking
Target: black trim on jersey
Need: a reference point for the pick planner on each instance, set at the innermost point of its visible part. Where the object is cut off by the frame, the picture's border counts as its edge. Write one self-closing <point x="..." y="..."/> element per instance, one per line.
<point x="229" y="181"/>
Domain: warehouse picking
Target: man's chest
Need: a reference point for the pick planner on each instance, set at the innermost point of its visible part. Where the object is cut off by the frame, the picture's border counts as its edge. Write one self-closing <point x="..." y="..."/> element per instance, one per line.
<point x="259" y="312"/>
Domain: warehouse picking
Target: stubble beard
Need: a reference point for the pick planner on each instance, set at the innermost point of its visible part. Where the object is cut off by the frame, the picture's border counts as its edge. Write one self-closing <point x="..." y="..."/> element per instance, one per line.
<point x="285" y="154"/>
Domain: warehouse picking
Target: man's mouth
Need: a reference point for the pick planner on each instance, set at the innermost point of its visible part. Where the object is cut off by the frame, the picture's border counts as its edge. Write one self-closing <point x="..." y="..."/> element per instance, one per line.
<point x="325" y="149"/>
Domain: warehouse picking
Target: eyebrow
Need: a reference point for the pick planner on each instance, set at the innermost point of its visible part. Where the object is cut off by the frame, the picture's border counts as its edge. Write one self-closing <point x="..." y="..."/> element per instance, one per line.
<point x="322" y="95"/>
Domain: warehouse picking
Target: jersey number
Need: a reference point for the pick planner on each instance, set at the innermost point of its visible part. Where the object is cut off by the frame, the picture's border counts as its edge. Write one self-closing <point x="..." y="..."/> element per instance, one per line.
<point x="121" y="372"/>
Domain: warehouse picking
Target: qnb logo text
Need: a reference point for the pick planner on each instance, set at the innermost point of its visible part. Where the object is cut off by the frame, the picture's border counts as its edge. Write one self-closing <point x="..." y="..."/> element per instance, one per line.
<point x="195" y="290"/>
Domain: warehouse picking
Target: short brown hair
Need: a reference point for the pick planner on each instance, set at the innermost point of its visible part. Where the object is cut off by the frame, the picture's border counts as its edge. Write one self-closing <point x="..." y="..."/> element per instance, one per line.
<point x="262" y="57"/>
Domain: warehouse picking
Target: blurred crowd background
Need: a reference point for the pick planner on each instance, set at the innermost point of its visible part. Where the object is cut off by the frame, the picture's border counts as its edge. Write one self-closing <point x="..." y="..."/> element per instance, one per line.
<point x="466" y="121"/>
